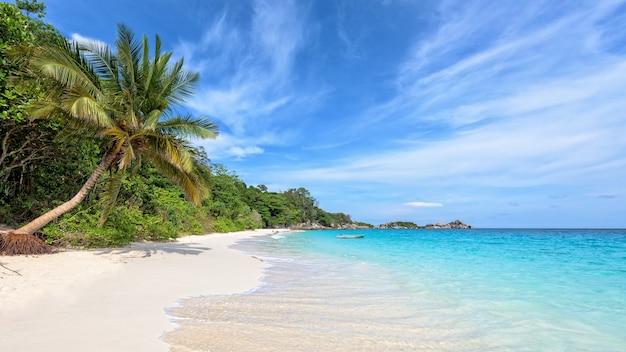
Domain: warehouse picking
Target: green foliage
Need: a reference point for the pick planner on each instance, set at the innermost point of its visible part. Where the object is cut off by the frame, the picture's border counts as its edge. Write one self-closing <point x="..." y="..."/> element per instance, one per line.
<point x="79" y="229"/>
<point x="14" y="30"/>
<point x="400" y="224"/>
<point x="14" y="26"/>
<point x="32" y="6"/>
<point x="35" y="179"/>
<point x="151" y="209"/>
<point x="28" y="146"/>
<point x="125" y="97"/>
<point x="333" y="219"/>
<point x="227" y="225"/>
<point x="127" y="224"/>
<point x="17" y="29"/>
<point x="364" y="224"/>
<point x="41" y="162"/>
<point x="295" y="207"/>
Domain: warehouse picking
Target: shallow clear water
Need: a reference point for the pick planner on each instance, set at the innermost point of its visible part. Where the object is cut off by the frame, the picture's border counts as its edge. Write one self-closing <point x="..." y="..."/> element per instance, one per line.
<point x="421" y="290"/>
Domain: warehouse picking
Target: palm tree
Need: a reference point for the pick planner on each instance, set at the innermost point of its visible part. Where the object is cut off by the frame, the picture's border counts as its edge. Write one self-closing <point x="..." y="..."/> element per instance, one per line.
<point x="127" y="98"/>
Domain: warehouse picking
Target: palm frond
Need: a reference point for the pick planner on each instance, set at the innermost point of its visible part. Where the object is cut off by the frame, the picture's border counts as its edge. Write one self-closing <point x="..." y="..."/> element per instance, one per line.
<point x="187" y="126"/>
<point x="128" y="54"/>
<point x="102" y="59"/>
<point x="181" y="84"/>
<point x="76" y="131"/>
<point x="157" y="97"/>
<point x="109" y="196"/>
<point x="202" y="172"/>
<point x="128" y="155"/>
<point x="176" y="151"/>
<point x="157" y="48"/>
<point x="192" y="186"/>
<point x="151" y="121"/>
<point x="45" y="109"/>
<point x="119" y="137"/>
<point x="131" y="118"/>
<point x="80" y="104"/>
<point x="125" y="96"/>
<point x="146" y="67"/>
<point x="67" y="66"/>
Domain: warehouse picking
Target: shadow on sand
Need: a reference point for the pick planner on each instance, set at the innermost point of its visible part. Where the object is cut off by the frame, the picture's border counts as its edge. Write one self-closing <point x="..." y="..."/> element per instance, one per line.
<point x="142" y="250"/>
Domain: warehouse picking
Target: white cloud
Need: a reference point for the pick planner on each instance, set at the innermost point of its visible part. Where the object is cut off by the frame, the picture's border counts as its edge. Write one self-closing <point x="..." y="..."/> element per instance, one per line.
<point x="80" y="39"/>
<point x="489" y="104"/>
<point x="423" y="204"/>
<point x="547" y="116"/>
<point x="483" y="53"/>
<point x="278" y="29"/>
<point x="241" y="152"/>
<point x="228" y="145"/>
<point x="248" y="71"/>
<point x="523" y="106"/>
<point x="540" y="144"/>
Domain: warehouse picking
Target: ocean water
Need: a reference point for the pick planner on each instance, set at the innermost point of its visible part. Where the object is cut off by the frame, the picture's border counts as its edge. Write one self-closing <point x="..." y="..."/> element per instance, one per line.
<point x="421" y="290"/>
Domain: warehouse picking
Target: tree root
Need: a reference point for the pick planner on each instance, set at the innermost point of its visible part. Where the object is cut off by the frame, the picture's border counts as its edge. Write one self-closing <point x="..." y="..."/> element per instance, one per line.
<point x="12" y="243"/>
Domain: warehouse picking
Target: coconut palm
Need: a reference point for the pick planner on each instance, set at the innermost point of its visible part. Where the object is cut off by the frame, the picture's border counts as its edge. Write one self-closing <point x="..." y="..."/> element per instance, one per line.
<point x="126" y="97"/>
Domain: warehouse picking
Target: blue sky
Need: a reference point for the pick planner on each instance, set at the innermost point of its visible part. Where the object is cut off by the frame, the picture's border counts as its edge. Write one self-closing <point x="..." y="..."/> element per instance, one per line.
<point x="497" y="113"/>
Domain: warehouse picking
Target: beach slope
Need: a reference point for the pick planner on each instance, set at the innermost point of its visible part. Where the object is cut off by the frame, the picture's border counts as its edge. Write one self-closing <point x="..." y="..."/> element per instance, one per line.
<point x="115" y="299"/>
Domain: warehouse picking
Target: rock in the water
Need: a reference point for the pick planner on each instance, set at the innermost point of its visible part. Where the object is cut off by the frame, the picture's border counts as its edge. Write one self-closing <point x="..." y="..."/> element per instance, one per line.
<point x="456" y="224"/>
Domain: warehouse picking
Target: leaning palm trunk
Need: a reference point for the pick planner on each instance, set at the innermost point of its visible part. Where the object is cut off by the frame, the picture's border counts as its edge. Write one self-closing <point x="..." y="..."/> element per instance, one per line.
<point x="126" y="98"/>
<point x="23" y="241"/>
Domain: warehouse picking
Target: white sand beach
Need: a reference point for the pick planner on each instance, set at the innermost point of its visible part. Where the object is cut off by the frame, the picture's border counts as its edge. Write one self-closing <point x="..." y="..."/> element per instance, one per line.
<point x="115" y="299"/>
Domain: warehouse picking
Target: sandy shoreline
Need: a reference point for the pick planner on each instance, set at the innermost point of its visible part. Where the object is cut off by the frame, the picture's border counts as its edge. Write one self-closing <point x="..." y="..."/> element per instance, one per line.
<point x="115" y="299"/>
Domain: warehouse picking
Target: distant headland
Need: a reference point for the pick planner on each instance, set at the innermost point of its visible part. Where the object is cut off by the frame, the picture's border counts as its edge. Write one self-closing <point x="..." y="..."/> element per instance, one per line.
<point x="456" y="224"/>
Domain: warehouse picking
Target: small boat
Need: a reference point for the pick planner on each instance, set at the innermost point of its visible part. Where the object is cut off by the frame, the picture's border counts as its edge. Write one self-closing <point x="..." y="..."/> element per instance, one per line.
<point x="350" y="236"/>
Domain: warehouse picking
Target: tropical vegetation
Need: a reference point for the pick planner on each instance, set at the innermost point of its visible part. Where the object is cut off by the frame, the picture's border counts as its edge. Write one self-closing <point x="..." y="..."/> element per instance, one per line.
<point x="102" y="127"/>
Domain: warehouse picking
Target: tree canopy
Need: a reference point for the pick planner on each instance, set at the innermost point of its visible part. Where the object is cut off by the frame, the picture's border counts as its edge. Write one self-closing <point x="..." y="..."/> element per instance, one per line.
<point x="123" y="100"/>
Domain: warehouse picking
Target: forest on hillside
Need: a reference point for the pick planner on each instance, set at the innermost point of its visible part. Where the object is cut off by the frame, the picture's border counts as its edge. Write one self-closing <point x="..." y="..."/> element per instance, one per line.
<point x="45" y="160"/>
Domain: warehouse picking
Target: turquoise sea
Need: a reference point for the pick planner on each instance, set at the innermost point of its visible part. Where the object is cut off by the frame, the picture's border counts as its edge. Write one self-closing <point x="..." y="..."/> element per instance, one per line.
<point x="422" y="290"/>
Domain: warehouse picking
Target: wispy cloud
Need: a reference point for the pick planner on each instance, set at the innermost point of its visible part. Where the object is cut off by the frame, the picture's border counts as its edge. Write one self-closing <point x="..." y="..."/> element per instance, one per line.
<point x="479" y="105"/>
<point x="535" y="125"/>
<point x="248" y="69"/>
<point x="228" y="145"/>
<point x="482" y="55"/>
<point x="80" y="39"/>
<point x="533" y="103"/>
<point x="349" y="45"/>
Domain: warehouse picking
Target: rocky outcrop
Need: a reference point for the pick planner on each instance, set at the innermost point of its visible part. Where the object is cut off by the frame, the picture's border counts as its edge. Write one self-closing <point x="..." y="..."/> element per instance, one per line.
<point x="456" y="224"/>
<point x="317" y="226"/>
<point x="352" y="226"/>
<point x="399" y="225"/>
